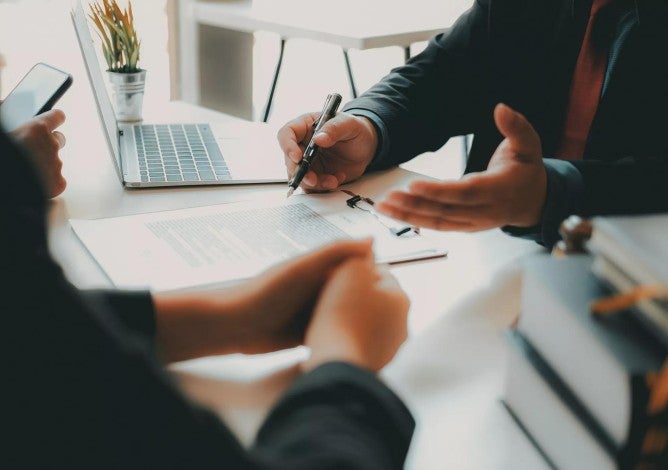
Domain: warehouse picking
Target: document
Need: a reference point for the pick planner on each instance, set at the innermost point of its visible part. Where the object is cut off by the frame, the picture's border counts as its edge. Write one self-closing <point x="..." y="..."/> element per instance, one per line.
<point x="219" y="244"/>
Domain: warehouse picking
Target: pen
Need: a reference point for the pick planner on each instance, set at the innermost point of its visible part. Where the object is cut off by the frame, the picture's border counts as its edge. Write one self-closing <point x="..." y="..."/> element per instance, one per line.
<point x="328" y="111"/>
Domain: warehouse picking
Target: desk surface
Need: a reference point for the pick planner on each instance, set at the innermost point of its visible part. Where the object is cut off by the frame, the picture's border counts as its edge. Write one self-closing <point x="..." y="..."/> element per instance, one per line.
<point x="344" y="22"/>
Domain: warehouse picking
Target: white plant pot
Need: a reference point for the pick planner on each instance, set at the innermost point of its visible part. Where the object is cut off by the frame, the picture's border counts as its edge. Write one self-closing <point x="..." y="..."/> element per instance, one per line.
<point x="128" y="91"/>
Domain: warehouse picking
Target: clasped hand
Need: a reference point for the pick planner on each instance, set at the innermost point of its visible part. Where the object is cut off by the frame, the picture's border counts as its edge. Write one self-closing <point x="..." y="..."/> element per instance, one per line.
<point x="334" y="300"/>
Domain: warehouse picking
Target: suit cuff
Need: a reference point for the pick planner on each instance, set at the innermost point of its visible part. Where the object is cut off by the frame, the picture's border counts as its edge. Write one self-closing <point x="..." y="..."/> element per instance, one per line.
<point x="565" y="189"/>
<point x="133" y="309"/>
<point x="383" y="147"/>
<point x="358" y="397"/>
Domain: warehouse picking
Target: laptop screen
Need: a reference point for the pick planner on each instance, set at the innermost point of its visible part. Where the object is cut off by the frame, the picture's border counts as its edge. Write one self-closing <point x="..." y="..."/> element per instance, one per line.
<point x="105" y="110"/>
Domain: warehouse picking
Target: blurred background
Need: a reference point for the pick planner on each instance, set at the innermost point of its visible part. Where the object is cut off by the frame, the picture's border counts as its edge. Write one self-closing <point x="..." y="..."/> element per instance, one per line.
<point x="40" y="30"/>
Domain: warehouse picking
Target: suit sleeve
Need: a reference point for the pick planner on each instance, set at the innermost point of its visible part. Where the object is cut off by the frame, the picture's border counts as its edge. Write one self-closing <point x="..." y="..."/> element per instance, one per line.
<point x="438" y="94"/>
<point x="134" y="309"/>
<point x="341" y="403"/>
<point x="85" y="390"/>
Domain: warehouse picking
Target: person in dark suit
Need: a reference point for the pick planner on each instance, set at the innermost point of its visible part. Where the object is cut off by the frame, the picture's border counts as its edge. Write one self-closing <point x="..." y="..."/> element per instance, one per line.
<point x="566" y="101"/>
<point x="84" y="383"/>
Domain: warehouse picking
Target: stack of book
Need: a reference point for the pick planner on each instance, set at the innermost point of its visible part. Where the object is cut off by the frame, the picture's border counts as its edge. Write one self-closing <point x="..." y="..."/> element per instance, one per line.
<point x="630" y="253"/>
<point x="591" y="391"/>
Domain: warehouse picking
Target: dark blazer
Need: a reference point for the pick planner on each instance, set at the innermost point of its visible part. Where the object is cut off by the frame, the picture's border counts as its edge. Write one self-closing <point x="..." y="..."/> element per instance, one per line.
<point x="523" y="53"/>
<point x="82" y="387"/>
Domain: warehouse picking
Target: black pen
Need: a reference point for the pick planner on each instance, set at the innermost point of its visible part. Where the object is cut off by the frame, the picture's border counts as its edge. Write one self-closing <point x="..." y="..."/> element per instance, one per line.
<point x="328" y="111"/>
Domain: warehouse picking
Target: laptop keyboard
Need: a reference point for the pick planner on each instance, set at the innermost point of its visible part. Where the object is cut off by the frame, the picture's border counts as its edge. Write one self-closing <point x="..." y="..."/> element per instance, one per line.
<point x="179" y="152"/>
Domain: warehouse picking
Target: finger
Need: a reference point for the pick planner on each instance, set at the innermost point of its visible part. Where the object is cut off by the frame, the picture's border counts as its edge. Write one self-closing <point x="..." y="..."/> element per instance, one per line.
<point x="418" y="220"/>
<point x="293" y="133"/>
<point x="362" y="268"/>
<point x="387" y="280"/>
<point x="60" y="138"/>
<point x="341" y="127"/>
<point x="329" y="182"/>
<point x="313" y="181"/>
<point x="470" y="190"/>
<point x="522" y="137"/>
<point x="428" y="207"/>
<point x="334" y="253"/>
<point x="52" y="119"/>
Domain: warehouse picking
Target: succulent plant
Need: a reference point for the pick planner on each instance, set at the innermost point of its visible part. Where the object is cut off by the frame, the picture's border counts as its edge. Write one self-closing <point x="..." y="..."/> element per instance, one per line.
<point x="115" y="27"/>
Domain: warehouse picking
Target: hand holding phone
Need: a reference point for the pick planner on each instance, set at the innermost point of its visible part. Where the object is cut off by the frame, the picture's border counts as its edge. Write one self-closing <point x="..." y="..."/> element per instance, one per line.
<point x="36" y="93"/>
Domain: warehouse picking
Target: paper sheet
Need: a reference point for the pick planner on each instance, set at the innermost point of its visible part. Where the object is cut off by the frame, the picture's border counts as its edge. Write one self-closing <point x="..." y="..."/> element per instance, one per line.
<point x="223" y="243"/>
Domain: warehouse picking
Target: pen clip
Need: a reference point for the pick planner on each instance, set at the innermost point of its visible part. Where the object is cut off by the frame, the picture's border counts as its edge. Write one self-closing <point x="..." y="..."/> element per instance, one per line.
<point x="332" y="103"/>
<point x="356" y="202"/>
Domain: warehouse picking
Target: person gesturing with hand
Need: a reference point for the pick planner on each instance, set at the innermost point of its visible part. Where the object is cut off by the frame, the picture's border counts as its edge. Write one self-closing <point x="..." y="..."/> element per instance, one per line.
<point x="511" y="191"/>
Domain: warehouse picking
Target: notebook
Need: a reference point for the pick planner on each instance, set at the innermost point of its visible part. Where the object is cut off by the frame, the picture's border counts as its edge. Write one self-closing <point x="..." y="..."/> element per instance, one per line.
<point x="177" y="154"/>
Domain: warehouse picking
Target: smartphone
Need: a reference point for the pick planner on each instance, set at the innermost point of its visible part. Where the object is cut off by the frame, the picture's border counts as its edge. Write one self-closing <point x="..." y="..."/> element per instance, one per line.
<point x="36" y="93"/>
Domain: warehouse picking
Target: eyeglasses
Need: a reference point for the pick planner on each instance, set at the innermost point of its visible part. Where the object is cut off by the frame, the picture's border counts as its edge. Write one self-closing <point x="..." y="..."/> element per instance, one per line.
<point x="367" y="205"/>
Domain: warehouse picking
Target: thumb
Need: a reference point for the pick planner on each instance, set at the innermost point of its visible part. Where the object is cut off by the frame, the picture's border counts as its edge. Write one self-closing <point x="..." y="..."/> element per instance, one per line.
<point x="52" y="119"/>
<point x="341" y="127"/>
<point x="522" y="138"/>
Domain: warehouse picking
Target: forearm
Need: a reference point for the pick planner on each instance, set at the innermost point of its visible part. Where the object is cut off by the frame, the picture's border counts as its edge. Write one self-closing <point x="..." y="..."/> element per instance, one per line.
<point x="190" y="325"/>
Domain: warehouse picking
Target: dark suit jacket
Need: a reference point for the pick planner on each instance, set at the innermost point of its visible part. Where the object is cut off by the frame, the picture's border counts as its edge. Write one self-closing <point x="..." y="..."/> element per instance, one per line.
<point x="82" y="387"/>
<point x="523" y="53"/>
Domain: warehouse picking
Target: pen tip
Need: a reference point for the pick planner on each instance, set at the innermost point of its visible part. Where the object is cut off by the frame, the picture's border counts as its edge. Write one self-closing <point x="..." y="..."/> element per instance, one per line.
<point x="290" y="191"/>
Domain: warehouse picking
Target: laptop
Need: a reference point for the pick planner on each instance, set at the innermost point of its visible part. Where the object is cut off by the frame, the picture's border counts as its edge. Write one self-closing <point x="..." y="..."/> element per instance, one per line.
<point x="179" y="154"/>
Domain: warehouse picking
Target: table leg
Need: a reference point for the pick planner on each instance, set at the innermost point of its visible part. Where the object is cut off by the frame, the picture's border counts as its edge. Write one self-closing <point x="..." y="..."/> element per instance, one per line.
<point x="273" y="84"/>
<point x="407" y="53"/>
<point x="353" y="89"/>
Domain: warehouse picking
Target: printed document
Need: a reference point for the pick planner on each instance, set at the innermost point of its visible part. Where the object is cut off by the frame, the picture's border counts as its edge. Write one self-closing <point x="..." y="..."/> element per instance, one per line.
<point x="219" y="244"/>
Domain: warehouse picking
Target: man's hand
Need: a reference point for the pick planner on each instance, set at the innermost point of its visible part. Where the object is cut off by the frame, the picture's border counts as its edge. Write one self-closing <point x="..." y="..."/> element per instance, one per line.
<point x="43" y="142"/>
<point x="360" y="317"/>
<point x="347" y="145"/>
<point x="511" y="191"/>
<point x="264" y="314"/>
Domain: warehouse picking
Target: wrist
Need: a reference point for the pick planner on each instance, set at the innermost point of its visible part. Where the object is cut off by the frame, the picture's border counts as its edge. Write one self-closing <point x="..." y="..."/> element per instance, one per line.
<point x="373" y="135"/>
<point x="335" y="349"/>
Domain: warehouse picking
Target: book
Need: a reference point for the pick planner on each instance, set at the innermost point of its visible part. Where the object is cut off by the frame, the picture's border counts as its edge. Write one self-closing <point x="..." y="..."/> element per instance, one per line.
<point x="603" y="363"/>
<point x="632" y="251"/>
<point x="637" y="245"/>
<point x="652" y="312"/>
<point x="539" y="408"/>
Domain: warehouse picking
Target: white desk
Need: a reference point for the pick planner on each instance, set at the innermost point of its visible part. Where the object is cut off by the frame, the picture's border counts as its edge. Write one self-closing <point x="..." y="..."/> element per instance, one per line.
<point x="213" y="38"/>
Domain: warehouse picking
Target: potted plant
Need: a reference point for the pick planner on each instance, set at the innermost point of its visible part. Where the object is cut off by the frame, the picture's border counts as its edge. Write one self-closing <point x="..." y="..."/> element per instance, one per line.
<point x="120" y="47"/>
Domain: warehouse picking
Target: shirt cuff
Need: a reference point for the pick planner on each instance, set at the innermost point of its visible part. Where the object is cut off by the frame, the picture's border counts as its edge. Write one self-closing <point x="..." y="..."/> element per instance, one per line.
<point x="565" y="189"/>
<point x="383" y="136"/>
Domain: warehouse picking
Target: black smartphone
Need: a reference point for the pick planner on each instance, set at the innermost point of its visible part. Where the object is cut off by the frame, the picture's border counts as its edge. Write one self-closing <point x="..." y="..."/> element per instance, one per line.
<point x="37" y="92"/>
